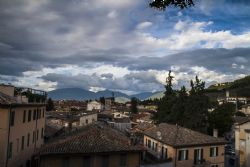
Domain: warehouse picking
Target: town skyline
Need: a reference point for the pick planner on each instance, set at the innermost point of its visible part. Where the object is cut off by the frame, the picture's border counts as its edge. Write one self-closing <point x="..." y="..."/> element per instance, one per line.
<point x="123" y="46"/>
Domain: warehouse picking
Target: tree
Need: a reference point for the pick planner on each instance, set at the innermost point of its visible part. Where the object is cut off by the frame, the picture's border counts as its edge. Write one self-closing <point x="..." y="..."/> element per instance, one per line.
<point x="163" y="4"/>
<point x="221" y="118"/>
<point x="133" y="107"/>
<point x="166" y="103"/>
<point x="50" y="105"/>
<point x="179" y="107"/>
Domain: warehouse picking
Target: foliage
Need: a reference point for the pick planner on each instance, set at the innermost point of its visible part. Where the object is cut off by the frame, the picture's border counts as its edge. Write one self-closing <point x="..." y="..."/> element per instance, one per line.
<point x="133" y="107"/>
<point x="179" y="107"/>
<point x="102" y="100"/>
<point x="163" y="4"/>
<point x="50" y="105"/>
<point x="222" y="118"/>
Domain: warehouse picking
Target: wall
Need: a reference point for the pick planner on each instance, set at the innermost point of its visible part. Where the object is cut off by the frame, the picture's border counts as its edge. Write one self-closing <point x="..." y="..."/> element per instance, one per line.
<point x="91" y="119"/>
<point x="7" y="89"/>
<point x="19" y="156"/>
<point x="171" y="153"/>
<point x="132" y="160"/>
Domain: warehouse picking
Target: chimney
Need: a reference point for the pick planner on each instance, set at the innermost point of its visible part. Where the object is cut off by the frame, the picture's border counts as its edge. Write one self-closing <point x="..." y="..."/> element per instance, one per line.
<point x="215" y="133"/>
<point x="227" y="93"/>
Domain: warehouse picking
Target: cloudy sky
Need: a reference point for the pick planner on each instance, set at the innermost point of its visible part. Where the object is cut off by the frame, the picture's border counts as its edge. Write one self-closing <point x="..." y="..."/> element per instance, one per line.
<point x="121" y="44"/>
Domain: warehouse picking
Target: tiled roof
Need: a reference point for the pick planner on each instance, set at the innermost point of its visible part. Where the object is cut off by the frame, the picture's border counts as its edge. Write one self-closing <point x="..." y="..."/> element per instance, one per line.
<point x="144" y="126"/>
<point x="6" y="99"/>
<point x="177" y="136"/>
<point x="93" y="139"/>
<point x="241" y="120"/>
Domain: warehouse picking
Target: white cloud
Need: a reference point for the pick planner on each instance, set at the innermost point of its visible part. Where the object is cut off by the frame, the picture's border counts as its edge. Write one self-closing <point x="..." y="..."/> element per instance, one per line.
<point x="144" y="25"/>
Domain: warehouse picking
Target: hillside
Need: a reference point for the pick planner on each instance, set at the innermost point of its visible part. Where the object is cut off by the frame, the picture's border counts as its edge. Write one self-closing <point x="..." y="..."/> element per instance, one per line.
<point x="239" y="87"/>
<point x="82" y="94"/>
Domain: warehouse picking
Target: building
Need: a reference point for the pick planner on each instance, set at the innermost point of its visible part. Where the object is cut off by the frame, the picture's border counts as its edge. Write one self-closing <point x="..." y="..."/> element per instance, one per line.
<point x="94" y="105"/>
<point x="94" y="146"/>
<point x="88" y="118"/>
<point x="22" y="123"/>
<point x="121" y="124"/>
<point x="246" y="109"/>
<point x="184" y="147"/>
<point x="232" y="99"/>
<point x="242" y="141"/>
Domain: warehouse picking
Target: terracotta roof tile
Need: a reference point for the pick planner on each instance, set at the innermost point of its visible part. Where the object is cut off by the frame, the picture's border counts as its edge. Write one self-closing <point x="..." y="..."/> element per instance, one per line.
<point x="177" y="136"/>
<point x="93" y="139"/>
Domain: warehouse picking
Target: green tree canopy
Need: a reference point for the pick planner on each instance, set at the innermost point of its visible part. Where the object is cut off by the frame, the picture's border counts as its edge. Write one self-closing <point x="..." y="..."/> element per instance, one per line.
<point x="50" y="105"/>
<point x="222" y="118"/>
<point x="133" y="107"/>
<point x="163" y="4"/>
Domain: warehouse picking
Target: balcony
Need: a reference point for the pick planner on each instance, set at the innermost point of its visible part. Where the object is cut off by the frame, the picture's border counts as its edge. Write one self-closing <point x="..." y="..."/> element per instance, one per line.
<point x="28" y="95"/>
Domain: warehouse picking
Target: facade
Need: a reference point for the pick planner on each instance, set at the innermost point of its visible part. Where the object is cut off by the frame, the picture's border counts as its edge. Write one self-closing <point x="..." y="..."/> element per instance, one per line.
<point x="246" y="109"/>
<point x="88" y="118"/>
<point x="95" y="146"/>
<point x="94" y="105"/>
<point x="184" y="147"/>
<point x="121" y="124"/>
<point x="22" y="125"/>
<point x="242" y="142"/>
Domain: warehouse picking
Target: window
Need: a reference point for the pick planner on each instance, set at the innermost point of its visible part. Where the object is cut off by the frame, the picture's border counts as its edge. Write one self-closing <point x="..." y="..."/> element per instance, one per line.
<point x="198" y="156"/>
<point x="42" y="133"/>
<point x="28" y="140"/>
<point x="12" y="118"/>
<point x="183" y="155"/>
<point x="34" y="135"/>
<point x="105" y="161"/>
<point x="213" y="151"/>
<point x="37" y="134"/>
<point x="123" y="160"/>
<point x="87" y="121"/>
<point x="34" y="115"/>
<point x="10" y="150"/>
<point x="214" y="165"/>
<point x="149" y="143"/>
<point x="43" y="112"/>
<point x="86" y="161"/>
<point x="24" y="116"/>
<point x="22" y="147"/>
<point x="29" y="116"/>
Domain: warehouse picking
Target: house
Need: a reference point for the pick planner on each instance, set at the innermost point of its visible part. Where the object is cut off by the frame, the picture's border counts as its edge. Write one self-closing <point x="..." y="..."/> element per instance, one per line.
<point x="121" y="124"/>
<point x="242" y="141"/>
<point x="94" y="105"/>
<point x="246" y="109"/>
<point x="94" y="146"/>
<point x="22" y="123"/>
<point x="184" y="147"/>
<point x="87" y="118"/>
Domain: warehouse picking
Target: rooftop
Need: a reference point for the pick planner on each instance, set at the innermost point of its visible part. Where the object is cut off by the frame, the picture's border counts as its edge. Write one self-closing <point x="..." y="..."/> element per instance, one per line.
<point x="177" y="136"/>
<point x="92" y="139"/>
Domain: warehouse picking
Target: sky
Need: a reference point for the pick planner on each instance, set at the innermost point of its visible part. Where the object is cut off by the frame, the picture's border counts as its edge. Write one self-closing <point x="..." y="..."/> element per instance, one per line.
<point x="121" y="45"/>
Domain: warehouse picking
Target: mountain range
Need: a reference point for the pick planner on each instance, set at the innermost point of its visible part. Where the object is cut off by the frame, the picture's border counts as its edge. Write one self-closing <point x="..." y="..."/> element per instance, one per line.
<point x="82" y="94"/>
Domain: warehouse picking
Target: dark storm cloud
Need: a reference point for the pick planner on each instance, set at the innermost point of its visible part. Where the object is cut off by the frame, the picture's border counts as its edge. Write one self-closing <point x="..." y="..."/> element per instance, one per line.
<point x="137" y="82"/>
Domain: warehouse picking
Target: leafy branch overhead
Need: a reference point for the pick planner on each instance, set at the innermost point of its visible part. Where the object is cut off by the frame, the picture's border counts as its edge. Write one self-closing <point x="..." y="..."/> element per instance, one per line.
<point x="163" y="4"/>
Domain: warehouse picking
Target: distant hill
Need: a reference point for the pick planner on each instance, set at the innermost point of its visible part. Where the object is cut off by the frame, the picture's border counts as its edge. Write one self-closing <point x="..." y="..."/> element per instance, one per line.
<point x="71" y="94"/>
<point x="122" y="100"/>
<point x="143" y="96"/>
<point x="157" y="95"/>
<point x="82" y="94"/>
<point x="239" y="87"/>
